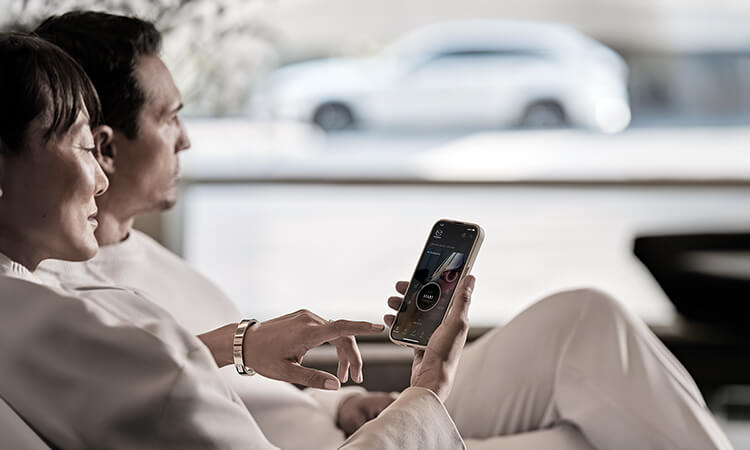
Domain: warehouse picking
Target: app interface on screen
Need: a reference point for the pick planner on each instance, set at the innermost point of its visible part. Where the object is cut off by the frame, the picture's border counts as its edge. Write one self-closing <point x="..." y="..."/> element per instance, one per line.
<point x="431" y="289"/>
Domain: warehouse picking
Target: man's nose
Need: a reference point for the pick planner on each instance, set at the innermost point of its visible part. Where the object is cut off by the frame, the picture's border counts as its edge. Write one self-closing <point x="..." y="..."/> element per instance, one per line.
<point x="183" y="142"/>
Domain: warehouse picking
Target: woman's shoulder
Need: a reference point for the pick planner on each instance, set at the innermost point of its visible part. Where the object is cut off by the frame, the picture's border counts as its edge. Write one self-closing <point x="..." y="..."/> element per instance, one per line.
<point x="102" y="317"/>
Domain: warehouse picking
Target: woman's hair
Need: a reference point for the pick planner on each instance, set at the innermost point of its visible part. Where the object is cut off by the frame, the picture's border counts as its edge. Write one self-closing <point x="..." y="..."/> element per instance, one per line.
<point x="37" y="78"/>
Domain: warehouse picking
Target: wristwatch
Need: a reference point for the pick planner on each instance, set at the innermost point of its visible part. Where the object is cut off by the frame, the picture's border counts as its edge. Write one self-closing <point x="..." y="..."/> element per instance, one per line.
<point x="237" y="345"/>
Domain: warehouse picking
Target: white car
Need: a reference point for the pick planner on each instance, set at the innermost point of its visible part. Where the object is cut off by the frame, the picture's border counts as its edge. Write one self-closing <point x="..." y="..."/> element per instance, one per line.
<point x="467" y="73"/>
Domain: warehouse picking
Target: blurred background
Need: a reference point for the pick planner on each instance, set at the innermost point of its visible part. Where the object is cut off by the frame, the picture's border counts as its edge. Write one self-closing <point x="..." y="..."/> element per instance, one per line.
<point x="329" y="135"/>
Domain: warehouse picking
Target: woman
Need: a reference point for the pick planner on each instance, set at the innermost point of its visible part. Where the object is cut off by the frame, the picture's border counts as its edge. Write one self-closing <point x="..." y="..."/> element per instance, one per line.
<point x="103" y="367"/>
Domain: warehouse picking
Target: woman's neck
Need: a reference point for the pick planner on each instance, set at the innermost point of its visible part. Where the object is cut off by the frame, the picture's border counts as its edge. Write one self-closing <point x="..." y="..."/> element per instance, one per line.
<point x="17" y="248"/>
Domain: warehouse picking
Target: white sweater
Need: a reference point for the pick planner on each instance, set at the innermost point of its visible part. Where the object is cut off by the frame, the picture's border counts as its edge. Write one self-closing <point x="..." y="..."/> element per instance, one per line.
<point x="104" y="367"/>
<point x="289" y="418"/>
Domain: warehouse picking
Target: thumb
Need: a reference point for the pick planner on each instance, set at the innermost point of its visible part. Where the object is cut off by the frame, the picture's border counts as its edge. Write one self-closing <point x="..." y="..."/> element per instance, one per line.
<point x="311" y="377"/>
<point x="462" y="299"/>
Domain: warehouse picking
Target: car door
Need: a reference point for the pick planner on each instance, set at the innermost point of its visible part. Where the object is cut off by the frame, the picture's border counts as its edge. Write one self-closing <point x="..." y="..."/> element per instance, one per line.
<point x="456" y="88"/>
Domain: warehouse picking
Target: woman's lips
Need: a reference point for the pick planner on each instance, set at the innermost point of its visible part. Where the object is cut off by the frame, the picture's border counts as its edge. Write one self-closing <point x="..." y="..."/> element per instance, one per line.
<point x="92" y="220"/>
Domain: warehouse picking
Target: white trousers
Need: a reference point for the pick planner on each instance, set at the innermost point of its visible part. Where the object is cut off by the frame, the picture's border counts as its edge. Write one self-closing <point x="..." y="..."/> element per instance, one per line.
<point x="578" y="371"/>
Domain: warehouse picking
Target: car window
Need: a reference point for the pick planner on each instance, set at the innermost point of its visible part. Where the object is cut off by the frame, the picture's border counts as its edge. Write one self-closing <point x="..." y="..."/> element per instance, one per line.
<point x="492" y="53"/>
<point x="478" y="56"/>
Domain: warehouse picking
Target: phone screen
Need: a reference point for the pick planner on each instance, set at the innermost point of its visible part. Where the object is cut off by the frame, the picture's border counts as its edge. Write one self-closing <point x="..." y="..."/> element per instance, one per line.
<point x="430" y="291"/>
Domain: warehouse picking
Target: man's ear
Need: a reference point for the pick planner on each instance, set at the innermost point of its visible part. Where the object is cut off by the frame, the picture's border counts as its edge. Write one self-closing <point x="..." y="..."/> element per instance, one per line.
<point x="106" y="151"/>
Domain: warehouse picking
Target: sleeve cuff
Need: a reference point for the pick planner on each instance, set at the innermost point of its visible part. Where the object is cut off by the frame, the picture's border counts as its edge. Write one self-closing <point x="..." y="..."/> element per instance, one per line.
<point x="416" y="420"/>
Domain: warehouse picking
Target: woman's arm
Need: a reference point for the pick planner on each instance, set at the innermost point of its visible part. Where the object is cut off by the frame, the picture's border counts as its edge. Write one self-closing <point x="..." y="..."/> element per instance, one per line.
<point x="219" y="342"/>
<point x="275" y="348"/>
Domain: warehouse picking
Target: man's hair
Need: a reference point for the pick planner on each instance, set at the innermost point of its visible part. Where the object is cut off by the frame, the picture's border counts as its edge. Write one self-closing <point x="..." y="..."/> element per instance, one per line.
<point x="37" y="78"/>
<point x="108" y="48"/>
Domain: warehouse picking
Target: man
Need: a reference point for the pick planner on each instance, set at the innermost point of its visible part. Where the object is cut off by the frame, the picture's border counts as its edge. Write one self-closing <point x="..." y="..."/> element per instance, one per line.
<point x="599" y="377"/>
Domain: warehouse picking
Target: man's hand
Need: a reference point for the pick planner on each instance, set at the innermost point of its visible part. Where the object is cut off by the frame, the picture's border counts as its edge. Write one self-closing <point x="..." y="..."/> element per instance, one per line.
<point x="357" y="409"/>
<point x="435" y="367"/>
<point x="275" y="348"/>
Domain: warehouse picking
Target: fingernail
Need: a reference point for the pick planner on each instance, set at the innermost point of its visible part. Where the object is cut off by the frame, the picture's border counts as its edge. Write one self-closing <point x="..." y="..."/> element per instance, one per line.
<point x="360" y="379"/>
<point x="377" y="326"/>
<point x="331" y="385"/>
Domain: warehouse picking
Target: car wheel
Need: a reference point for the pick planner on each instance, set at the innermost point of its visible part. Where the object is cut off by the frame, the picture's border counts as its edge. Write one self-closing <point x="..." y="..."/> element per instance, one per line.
<point x="333" y="117"/>
<point x="547" y="114"/>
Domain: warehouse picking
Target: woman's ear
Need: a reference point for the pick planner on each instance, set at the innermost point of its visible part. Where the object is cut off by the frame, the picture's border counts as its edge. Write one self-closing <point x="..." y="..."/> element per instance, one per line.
<point x="106" y="151"/>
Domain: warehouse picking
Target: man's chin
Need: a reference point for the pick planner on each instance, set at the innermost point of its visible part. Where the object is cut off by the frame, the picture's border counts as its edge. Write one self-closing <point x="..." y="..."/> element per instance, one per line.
<point x="167" y="203"/>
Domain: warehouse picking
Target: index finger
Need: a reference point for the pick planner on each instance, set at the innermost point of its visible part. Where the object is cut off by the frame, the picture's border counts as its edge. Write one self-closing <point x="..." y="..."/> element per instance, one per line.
<point x="338" y="328"/>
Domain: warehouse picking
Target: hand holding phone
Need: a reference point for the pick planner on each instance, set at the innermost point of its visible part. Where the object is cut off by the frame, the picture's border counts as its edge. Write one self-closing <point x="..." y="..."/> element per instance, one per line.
<point x="435" y="367"/>
<point x="447" y="258"/>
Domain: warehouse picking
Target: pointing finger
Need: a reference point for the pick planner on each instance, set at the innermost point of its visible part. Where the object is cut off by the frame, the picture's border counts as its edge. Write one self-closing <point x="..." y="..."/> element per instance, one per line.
<point x="338" y="328"/>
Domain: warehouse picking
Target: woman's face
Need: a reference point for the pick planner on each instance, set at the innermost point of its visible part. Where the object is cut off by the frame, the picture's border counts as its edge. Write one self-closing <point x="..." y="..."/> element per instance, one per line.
<point x="49" y="191"/>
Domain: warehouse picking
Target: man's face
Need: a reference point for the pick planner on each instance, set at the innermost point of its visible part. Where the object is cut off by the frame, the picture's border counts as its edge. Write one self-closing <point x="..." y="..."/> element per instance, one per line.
<point x="147" y="167"/>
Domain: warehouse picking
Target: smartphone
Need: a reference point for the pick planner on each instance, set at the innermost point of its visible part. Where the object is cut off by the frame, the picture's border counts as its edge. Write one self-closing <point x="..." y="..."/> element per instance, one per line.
<point x="448" y="256"/>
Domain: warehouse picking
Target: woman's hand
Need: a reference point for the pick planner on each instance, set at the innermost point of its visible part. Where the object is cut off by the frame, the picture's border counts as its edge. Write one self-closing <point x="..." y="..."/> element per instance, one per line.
<point x="435" y="367"/>
<point x="275" y="348"/>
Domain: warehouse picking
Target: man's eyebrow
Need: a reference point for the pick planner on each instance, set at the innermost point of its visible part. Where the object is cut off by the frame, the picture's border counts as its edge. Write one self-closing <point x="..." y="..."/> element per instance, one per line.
<point x="178" y="107"/>
<point x="169" y="110"/>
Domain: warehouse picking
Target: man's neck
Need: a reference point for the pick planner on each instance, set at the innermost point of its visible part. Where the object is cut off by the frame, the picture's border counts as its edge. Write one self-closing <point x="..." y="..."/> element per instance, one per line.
<point x="112" y="229"/>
